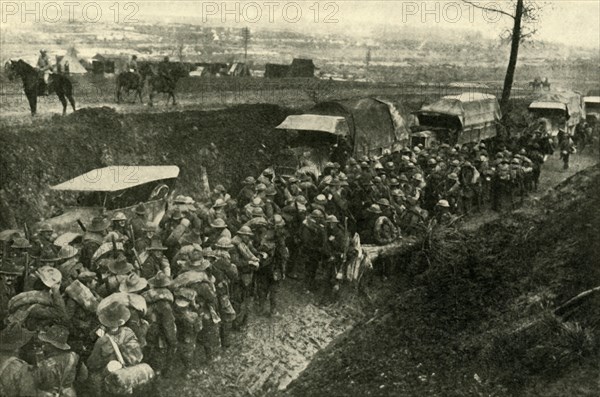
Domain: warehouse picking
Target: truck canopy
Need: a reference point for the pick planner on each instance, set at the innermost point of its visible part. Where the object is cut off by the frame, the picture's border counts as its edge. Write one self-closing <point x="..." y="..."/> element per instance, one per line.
<point x="375" y="125"/>
<point x="568" y="101"/>
<point x="474" y="114"/>
<point x="311" y="122"/>
<point x="118" y="177"/>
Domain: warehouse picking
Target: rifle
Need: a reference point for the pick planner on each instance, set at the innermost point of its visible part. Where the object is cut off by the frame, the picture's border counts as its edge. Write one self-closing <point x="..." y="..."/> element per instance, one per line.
<point x="138" y="264"/>
<point x="28" y="237"/>
<point x="81" y="225"/>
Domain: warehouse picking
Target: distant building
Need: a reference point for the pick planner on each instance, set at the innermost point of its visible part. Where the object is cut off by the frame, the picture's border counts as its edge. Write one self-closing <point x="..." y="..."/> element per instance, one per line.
<point x="302" y="68"/>
<point x="273" y="70"/>
<point x="299" y="68"/>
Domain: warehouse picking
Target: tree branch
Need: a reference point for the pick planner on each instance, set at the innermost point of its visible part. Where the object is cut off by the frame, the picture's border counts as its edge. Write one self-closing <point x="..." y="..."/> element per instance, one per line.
<point x="489" y="9"/>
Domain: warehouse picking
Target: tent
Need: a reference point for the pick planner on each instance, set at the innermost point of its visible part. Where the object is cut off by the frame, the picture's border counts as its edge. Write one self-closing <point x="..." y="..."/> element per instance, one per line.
<point x="472" y="115"/>
<point x="239" y="69"/>
<point x="69" y="63"/>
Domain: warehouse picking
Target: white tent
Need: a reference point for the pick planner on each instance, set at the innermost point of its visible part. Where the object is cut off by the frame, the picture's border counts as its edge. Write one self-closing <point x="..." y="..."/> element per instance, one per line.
<point x="71" y="62"/>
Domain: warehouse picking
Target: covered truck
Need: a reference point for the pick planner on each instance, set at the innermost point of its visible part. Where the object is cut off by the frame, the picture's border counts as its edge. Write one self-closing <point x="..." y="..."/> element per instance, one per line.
<point x="559" y="110"/>
<point x="104" y="191"/>
<point x="592" y="106"/>
<point x="332" y="131"/>
<point x="459" y="119"/>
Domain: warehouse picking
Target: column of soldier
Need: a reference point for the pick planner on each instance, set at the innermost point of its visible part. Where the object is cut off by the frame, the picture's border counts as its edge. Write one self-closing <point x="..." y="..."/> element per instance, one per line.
<point x="132" y="291"/>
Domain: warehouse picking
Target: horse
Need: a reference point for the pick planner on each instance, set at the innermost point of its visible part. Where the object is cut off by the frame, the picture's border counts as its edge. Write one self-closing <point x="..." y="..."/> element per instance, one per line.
<point x="163" y="83"/>
<point x="535" y="85"/>
<point x="33" y="84"/>
<point x="546" y="84"/>
<point x="130" y="81"/>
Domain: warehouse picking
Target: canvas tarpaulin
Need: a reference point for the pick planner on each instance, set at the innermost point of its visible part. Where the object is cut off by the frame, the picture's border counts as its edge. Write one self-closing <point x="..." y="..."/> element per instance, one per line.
<point x="570" y="99"/>
<point x="472" y="109"/>
<point x="375" y="125"/>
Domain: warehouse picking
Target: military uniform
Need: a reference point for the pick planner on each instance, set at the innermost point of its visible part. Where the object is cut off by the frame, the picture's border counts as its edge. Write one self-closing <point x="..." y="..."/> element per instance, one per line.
<point x="162" y="332"/>
<point x="272" y="268"/>
<point x="16" y="376"/>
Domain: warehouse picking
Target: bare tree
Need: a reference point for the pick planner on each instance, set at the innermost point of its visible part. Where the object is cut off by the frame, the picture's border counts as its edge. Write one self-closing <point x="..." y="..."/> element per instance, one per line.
<point x="525" y="17"/>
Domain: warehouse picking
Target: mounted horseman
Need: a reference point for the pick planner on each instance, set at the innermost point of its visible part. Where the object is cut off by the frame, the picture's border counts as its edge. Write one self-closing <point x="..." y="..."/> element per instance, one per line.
<point x="130" y="80"/>
<point x="38" y="81"/>
<point x="165" y="81"/>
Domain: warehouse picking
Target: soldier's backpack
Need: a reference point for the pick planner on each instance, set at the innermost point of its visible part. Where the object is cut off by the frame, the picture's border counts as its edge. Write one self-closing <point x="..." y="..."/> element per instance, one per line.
<point x="124" y="380"/>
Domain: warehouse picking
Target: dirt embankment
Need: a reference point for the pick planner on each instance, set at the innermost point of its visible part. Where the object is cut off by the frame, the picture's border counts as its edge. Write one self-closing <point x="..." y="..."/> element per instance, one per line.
<point x="51" y="151"/>
<point x="480" y="320"/>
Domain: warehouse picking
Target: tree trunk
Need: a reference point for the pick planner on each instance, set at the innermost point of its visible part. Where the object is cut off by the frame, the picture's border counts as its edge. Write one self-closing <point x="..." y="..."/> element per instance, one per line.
<point x="514" y="53"/>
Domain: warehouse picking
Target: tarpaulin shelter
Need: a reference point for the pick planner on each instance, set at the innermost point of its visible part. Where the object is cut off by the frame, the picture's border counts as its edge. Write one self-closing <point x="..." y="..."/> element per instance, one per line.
<point x="469" y="117"/>
<point x="559" y="105"/>
<point x="375" y="126"/>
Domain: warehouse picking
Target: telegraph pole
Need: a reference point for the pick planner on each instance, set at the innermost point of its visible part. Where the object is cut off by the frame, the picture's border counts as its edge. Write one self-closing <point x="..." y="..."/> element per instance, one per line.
<point x="246" y="37"/>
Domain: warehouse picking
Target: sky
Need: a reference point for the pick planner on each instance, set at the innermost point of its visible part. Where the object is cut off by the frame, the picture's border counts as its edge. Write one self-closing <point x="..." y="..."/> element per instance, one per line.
<point x="572" y="22"/>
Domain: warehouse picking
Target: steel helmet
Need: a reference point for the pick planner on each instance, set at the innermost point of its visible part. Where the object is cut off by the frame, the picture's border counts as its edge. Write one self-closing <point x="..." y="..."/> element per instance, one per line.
<point x="224" y="243"/>
<point x="331" y="219"/>
<point x="443" y="203"/>
<point x="317" y="214"/>
<point x="119" y="216"/>
<point x="67" y="252"/>
<point x="245" y="231"/>
<point x="278" y="221"/>
<point x="45" y="227"/>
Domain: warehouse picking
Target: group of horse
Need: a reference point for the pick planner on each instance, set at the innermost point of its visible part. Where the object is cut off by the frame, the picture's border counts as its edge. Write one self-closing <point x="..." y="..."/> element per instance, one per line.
<point x="34" y="85"/>
<point x="538" y="84"/>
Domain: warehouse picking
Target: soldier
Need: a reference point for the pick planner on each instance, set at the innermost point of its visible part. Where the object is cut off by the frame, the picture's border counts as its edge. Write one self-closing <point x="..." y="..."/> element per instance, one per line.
<point x="567" y="148"/>
<point x="337" y="246"/>
<point x="119" y="226"/>
<point x="247" y="263"/>
<point x="132" y="65"/>
<point x="133" y="286"/>
<point x="162" y="332"/>
<point x="43" y="244"/>
<point x="218" y="229"/>
<point x="16" y="376"/>
<point x="92" y="239"/>
<point x="270" y="207"/>
<point x="9" y="274"/>
<point x="313" y="238"/>
<point x="118" y="270"/>
<point x="188" y="321"/>
<point x="218" y="210"/>
<point x="57" y="372"/>
<point x="442" y="212"/>
<point x="44" y="66"/>
<point x="144" y="239"/>
<point x="246" y="195"/>
<point x="81" y="311"/>
<point x="113" y="318"/>
<point x="48" y="283"/>
<point x="153" y="260"/>
<point x="68" y="264"/>
<point x="273" y="267"/>
<point x="207" y="302"/>
<point x="138" y="222"/>
<point x="225" y="274"/>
